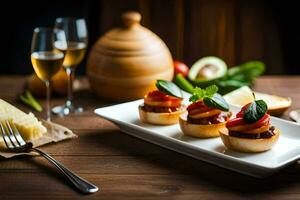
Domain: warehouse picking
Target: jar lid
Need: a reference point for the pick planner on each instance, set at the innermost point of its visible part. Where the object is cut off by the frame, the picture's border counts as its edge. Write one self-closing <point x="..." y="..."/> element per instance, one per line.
<point x="132" y="39"/>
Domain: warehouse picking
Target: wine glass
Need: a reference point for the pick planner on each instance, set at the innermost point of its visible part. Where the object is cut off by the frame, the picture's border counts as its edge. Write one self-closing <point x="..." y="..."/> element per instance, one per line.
<point x="45" y="58"/>
<point x="77" y="39"/>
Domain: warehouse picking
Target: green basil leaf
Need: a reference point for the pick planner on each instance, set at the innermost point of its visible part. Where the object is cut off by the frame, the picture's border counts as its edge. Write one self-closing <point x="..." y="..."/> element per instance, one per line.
<point x="211" y="90"/>
<point x="199" y="93"/>
<point x="168" y="88"/>
<point x="255" y="111"/>
<point x="216" y="101"/>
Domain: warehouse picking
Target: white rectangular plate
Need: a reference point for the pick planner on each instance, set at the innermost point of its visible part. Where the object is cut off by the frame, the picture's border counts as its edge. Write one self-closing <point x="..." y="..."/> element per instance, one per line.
<point x="260" y="165"/>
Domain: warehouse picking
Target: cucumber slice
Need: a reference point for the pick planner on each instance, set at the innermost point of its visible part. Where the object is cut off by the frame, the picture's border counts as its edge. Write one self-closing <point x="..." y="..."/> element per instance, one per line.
<point x="216" y="101"/>
<point x="169" y="88"/>
<point x="207" y="69"/>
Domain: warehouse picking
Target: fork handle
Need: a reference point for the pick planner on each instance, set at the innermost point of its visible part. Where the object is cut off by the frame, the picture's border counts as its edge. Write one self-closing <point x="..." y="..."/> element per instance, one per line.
<point x="81" y="184"/>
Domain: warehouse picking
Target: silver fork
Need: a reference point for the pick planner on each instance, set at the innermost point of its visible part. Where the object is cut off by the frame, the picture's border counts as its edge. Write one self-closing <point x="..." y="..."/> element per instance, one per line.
<point x="14" y="142"/>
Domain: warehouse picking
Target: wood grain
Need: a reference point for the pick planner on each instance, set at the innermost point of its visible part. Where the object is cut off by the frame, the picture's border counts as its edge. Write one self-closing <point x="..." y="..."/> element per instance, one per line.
<point x="237" y="31"/>
<point x="128" y="168"/>
<point x="253" y="29"/>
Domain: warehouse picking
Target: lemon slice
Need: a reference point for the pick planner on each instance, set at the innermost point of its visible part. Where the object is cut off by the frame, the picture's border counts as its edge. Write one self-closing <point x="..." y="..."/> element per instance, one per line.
<point x="276" y="104"/>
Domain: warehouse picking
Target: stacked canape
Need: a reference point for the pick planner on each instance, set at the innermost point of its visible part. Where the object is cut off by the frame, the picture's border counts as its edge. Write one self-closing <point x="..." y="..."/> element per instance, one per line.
<point x="206" y="115"/>
<point x="250" y="131"/>
<point x="162" y="106"/>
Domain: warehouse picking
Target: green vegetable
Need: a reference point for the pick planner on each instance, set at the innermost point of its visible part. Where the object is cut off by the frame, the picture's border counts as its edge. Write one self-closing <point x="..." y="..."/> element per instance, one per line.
<point x="226" y="86"/>
<point x="204" y="84"/>
<point x="199" y="93"/>
<point x="216" y="101"/>
<point x="242" y="75"/>
<point x="246" y="72"/>
<point x="210" y="97"/>
<point x="233" y="78"/>
<point x="168" y="88"/>
<point x="29" y="100"/>
<point x="232" y="83"/>
<point x="184" y="84"/>
<point x="236" y="77"/>
<point x="207" y="69"/>
<point x="255" y="111"/>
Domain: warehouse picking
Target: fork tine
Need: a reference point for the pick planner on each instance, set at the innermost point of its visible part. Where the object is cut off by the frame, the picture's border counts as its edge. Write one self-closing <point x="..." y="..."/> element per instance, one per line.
<point x="16" y="133"/>
<point x="11" y="134"/>
<point x="5" y="137"/>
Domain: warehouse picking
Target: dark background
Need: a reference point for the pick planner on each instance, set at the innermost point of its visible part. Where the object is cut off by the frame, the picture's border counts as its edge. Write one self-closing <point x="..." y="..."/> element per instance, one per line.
<point x="234" y="30"/>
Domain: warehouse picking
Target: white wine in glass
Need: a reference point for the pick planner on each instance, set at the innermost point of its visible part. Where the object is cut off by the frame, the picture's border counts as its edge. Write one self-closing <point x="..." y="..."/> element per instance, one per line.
<point x="45" y="58"/>
<point x="77" y="39"/>
<point x="46" y="63"/>
<point x="74" y="54"/>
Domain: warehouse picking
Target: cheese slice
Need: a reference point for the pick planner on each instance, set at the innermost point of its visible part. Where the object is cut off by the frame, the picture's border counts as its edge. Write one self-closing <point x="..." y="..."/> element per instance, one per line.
<point x="27" y="124"/>
<point x="276" y="104"/>
<point x="240" y="96"/>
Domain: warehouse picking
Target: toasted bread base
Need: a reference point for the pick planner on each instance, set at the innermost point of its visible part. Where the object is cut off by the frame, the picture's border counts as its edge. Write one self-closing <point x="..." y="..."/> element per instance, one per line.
<point x="198" y="130"/>
<point x="160" y="118"/>
<point x="248" y="145"/>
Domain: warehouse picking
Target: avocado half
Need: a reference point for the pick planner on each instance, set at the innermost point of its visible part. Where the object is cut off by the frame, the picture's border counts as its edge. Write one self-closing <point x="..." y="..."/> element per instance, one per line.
<point x="207" y="70"/>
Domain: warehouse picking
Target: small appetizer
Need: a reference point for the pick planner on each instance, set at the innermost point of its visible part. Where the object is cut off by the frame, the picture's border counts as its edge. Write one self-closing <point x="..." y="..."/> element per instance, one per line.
<point x="250" y="131"/>
<point x="206" y="115"/>
<point x="162" y="106"/>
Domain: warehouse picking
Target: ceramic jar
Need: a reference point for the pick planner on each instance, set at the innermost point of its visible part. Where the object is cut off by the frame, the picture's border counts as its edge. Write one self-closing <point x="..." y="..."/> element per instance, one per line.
<point x="125" y="62"/>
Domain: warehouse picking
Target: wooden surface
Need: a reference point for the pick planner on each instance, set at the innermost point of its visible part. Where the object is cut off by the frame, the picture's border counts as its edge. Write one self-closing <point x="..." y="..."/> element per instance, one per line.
<point x="125" y="167"/>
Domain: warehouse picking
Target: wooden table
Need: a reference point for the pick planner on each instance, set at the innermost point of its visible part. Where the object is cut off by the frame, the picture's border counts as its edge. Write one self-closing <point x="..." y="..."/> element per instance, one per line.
<point x="125" y="167"/>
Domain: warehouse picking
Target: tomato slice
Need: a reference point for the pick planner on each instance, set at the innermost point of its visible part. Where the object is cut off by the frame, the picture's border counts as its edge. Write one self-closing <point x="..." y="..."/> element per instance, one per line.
<point x="263" y="120"/>
<point x="238" y="124"/>
<point x="200" y="110"/>
<point x="241" y="113"/>
<point x="159" y="99"/>
<point x="196" y="105"/>
<point x="235" y="122"/>
<point x="157" y="95"/>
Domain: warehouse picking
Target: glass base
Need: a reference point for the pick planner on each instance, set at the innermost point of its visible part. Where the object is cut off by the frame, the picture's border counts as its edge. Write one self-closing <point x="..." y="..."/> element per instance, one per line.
<point x="65" y="110"/>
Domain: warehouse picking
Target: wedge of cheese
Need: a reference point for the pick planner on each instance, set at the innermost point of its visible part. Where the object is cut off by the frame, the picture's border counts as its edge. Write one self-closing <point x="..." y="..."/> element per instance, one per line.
<point x="27" y="124"/>
<point x="276" y="104"/>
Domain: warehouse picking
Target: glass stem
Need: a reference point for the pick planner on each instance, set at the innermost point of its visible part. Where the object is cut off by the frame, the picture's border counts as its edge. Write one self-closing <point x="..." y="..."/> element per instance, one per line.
<point x="48" y="114"/>
<point x="70" y="73"/>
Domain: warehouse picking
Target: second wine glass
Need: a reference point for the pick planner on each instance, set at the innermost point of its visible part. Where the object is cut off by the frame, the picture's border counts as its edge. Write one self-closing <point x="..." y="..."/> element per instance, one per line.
<point x="77" y="39"/>
<point x="45" y="58"/>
